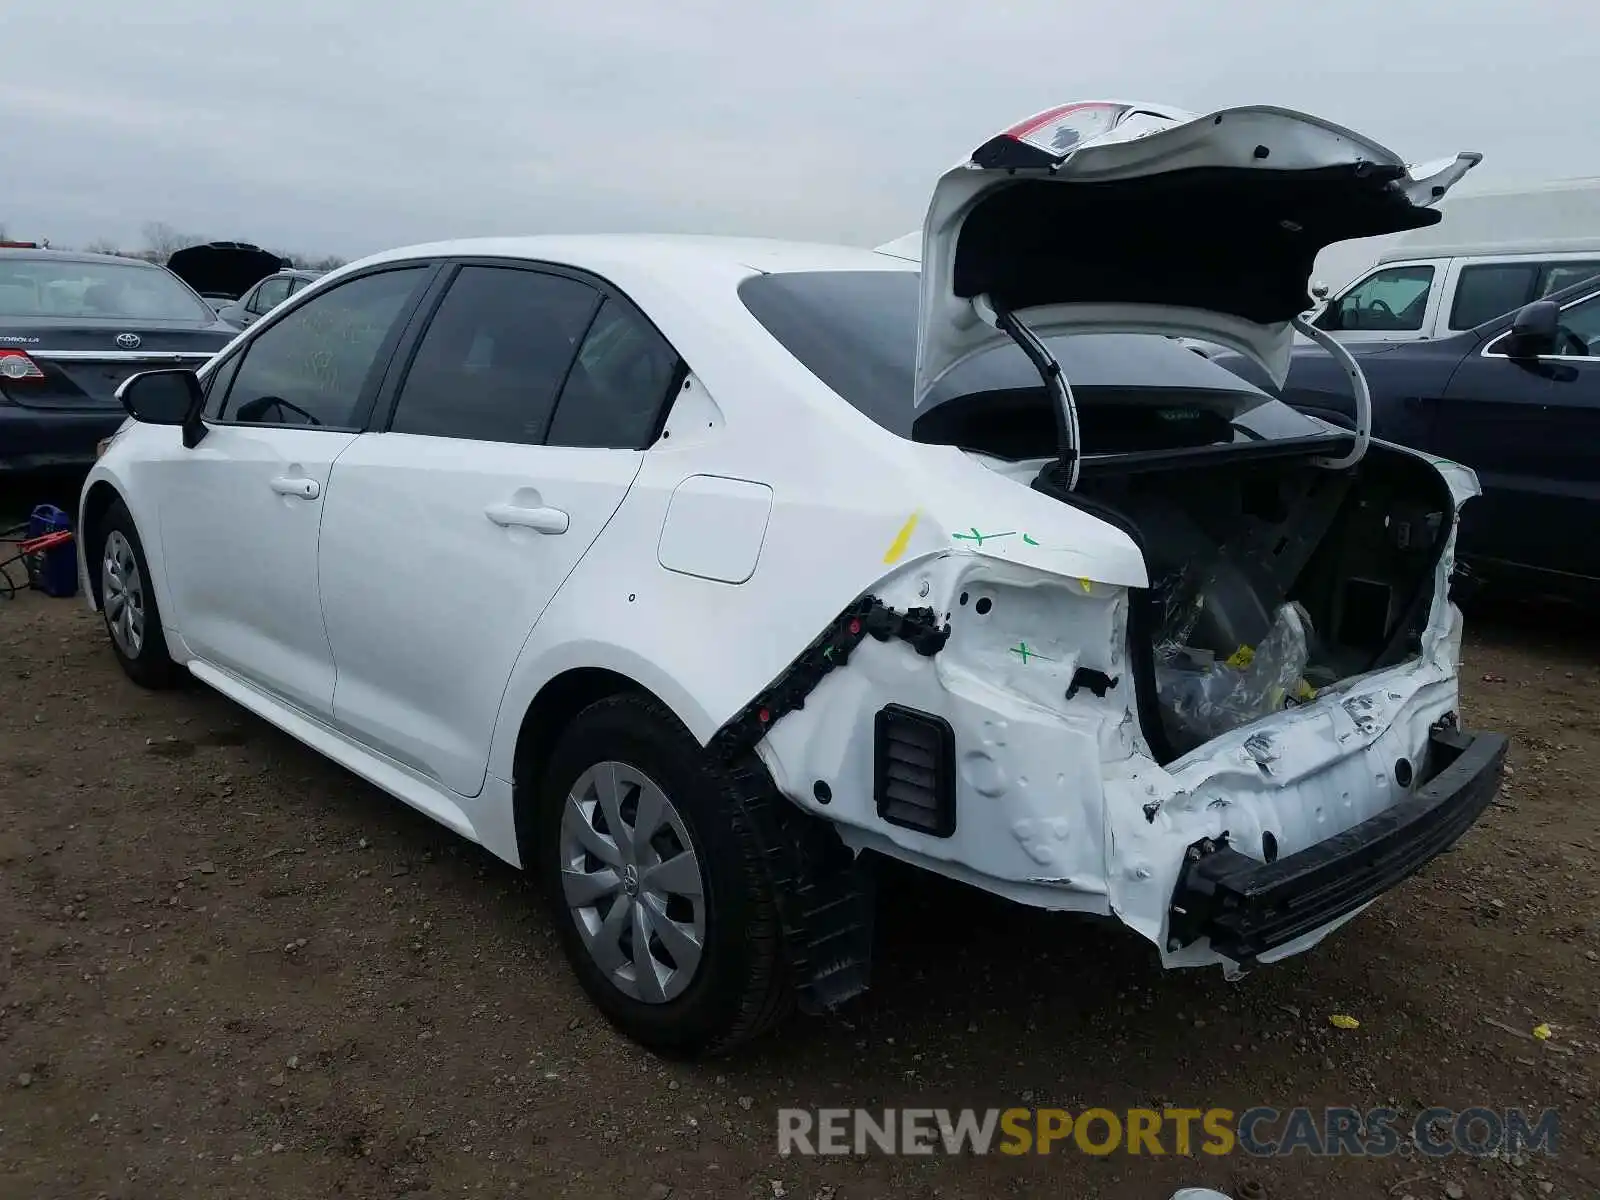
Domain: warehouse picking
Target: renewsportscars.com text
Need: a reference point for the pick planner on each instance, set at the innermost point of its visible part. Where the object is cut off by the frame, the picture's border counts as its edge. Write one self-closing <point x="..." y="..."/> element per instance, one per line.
<point x="1261" y="1132"/>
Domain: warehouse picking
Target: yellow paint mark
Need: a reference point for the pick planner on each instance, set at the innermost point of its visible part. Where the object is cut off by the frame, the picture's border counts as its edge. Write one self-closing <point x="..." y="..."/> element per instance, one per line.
<point x="897" y="548"/>
<point x="1087" y="586"/>
<point x="1343" y="1021"/>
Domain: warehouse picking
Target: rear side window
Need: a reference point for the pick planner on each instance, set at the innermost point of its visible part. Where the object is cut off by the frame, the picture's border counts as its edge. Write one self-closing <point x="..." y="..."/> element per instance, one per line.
<point x="495" y="355"/>
<point x="619" y="384"/>
<point x="311" y="367"/>
<point x="1490" y="290"/>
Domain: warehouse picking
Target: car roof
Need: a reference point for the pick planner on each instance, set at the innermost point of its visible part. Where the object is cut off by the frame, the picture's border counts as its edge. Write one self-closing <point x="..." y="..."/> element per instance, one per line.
<point x="80" y="256"/>
<point x="623" y="258"/>
<point x="1533" y="246"/>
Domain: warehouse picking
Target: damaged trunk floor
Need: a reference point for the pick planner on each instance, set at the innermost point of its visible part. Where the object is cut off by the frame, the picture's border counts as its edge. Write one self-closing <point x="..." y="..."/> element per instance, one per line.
<point x="232" y="969"/>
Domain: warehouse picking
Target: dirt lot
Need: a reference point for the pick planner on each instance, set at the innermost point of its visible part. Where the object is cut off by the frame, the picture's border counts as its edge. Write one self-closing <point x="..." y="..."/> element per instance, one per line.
<point x="230" y="969"/>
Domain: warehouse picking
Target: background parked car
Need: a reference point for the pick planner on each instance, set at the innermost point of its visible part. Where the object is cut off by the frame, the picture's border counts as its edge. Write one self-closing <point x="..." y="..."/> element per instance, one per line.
<point x="1538" y="218"/>
<point x="1411" y="295"/>
<point x="224" y="270"/>
<point x="73" y="327"/>
<point x="1517" y="399"/>
<point x="264" y="296"/>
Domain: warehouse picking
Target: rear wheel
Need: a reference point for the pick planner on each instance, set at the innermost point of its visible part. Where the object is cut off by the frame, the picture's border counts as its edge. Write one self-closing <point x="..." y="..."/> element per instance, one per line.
<point x="133" y="619"/>
<point x="662" y="904"/>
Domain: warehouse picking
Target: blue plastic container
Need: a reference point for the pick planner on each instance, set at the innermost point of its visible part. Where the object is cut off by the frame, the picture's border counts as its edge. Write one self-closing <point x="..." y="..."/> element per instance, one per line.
<point x="55" y="571"/>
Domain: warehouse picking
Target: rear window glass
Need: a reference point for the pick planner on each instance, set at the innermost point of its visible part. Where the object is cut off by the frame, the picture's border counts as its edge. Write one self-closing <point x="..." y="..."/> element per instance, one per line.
<point x="47" y="287"/>
<point x="857" y="332"/>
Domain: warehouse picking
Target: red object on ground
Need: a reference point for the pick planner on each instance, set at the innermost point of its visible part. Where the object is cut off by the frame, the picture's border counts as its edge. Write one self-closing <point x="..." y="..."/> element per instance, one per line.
<point x="48" y="542"/>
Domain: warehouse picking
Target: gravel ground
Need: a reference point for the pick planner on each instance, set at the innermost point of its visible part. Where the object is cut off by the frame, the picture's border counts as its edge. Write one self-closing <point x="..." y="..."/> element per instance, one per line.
<point x="231" y="969"/>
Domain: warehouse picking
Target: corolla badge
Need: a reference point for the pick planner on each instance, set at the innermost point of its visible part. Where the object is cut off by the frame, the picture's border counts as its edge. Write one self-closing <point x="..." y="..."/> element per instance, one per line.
<point x="128" y="341"/>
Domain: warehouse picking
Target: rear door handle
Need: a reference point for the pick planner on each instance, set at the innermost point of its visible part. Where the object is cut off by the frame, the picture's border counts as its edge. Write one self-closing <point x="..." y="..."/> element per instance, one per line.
<point x="542" y="520"/>
<point x="294" y="485"/>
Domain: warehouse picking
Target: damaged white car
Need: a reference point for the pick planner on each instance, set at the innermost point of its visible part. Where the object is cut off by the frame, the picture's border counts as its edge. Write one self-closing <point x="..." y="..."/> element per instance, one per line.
<point x="683" y="571"/>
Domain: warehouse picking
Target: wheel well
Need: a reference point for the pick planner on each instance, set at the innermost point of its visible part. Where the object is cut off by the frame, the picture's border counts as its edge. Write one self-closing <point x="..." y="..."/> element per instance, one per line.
<point x="552" y="710"/>
<point x="95" y="506"/>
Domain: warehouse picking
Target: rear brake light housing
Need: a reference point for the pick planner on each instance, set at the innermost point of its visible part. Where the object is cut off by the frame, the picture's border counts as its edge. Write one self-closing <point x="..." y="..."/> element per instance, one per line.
<point x="16" y="366"/>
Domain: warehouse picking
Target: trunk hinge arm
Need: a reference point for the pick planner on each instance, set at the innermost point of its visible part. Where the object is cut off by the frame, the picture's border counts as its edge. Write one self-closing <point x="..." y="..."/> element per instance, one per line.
<point x="1358" y="381"/>
<point x="1068" y="442"/>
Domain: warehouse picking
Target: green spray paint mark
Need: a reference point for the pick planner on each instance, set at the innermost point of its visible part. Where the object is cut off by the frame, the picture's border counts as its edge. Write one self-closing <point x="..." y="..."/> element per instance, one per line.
<point x="981" y="538"/>
<point x="1021" y="649"/>
<point x="1029" y="540"/>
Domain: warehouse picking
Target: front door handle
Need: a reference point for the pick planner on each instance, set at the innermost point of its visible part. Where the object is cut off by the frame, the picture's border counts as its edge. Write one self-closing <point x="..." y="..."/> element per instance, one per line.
<point x="542" y="520"/>
<point x="295" y="485"/>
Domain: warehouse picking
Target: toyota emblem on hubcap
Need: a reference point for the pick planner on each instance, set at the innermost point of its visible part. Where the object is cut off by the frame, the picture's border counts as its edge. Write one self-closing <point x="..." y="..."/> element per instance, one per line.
<point x="128" y="341"/>
<point x="630" y="879"/>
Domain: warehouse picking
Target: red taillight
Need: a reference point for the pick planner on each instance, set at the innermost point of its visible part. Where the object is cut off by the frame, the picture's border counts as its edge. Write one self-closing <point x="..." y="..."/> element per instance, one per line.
<point x="15" y="366"/>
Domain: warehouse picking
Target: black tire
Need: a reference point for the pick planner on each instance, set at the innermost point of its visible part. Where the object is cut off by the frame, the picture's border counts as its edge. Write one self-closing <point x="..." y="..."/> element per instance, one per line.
<point x="740" y="988"/>
<point x="150" y="666"/>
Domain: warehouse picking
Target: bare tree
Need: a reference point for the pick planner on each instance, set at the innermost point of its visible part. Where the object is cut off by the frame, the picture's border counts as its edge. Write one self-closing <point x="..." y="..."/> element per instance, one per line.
<point x="162" y="240"/>
<point x="103" y="246"/>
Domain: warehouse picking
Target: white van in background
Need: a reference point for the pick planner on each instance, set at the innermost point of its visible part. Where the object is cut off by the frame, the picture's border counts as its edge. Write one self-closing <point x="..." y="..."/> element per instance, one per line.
<point x="1493" y="252"/>
<point x="1406" y="297"/>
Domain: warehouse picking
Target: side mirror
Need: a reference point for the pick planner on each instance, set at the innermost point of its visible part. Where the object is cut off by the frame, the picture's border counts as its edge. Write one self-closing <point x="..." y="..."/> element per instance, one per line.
<point x="1534" y="330"/>
<point x="1319" y="291"/>
<point x="169" y="397"/>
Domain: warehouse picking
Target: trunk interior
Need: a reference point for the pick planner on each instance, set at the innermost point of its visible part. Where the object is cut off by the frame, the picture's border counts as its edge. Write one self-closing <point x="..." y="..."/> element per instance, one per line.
<point x="1271" y="580"/>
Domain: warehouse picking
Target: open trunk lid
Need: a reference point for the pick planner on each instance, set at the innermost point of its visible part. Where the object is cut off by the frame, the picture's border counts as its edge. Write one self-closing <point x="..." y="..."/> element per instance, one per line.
<point x="1108" y="216"/>
<point x="224" y="268"/>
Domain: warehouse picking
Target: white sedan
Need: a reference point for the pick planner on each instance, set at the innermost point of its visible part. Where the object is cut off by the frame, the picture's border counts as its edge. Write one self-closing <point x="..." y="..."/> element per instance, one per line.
<point x="682" y="572"/>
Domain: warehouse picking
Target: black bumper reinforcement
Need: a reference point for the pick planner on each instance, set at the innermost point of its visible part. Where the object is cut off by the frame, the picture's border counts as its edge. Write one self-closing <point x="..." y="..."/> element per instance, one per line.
<point x="1247" y="907"/>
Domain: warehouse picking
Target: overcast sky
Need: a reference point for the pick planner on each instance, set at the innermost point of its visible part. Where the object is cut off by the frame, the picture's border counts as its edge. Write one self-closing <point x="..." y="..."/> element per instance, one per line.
<point x="346" y="126"/>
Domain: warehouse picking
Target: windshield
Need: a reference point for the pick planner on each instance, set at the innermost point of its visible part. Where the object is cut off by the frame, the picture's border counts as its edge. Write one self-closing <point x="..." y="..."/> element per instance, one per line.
<point x="64" y="287"/>
<point x="857" y="332"/>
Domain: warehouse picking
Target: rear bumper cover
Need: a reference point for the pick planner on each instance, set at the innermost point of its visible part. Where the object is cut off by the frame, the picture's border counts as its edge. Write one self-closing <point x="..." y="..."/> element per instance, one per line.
<point x="37" y="439"/>
<point x="1247" y="908"/>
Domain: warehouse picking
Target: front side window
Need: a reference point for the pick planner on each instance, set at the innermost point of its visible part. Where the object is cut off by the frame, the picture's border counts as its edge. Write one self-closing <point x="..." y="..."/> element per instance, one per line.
<point x="271" y="292"/>
<point x="1577" y="332"/>
<point x="618" y="385"/>
<point x="494" y="356"/>
<point x="1394" y="299"/>
<point x="1491" y="290"/>
<point x="1580" y="329"/>
<point x="1564" y="274"/>
<point x="310" y="368"/>
<point x="62" y="287"/>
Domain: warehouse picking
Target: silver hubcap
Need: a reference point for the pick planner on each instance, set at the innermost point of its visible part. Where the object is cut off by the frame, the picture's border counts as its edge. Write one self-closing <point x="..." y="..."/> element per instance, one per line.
<point x="632" y="882"/>
<point x="122" y="594"/>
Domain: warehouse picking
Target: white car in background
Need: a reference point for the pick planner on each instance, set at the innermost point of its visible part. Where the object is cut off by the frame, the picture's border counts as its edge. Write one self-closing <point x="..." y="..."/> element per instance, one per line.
<point x="681" y="571"/>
